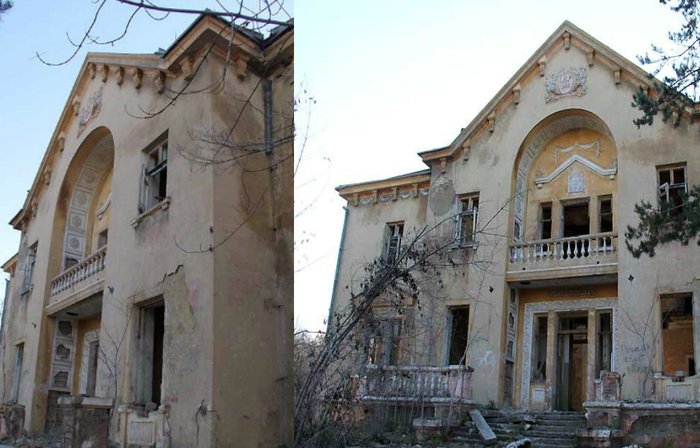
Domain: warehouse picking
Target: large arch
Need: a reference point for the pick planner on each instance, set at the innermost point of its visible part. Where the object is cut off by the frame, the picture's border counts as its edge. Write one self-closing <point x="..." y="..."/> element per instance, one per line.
<point x="538" y="138"/>
<point x="90" y="167"/>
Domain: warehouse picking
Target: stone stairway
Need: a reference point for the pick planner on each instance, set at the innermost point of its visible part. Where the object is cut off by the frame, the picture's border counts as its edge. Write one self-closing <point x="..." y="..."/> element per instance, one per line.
<point x="545" y="429"/>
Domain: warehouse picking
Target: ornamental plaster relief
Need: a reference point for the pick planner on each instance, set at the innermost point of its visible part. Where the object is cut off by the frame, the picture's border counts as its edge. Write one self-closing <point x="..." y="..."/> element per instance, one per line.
<point x="568" y="82"/>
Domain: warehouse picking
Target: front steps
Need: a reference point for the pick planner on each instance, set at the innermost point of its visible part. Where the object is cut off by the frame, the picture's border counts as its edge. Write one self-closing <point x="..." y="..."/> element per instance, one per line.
<point x="545" y="429"/>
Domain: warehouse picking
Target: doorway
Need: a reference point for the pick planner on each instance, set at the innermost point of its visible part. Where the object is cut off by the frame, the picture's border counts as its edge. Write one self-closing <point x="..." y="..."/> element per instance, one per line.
<point x="572" y="362"/>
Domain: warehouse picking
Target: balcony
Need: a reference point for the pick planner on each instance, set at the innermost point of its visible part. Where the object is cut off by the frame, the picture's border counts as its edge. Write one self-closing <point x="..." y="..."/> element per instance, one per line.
<point x="78" y="282"/>
<point x="416" y="384"/>
<point x="563" y="257"/>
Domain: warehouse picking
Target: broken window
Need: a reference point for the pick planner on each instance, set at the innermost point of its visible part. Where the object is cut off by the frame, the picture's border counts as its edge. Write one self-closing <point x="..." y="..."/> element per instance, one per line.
<point x="385" y="342"/>
<point x="605" y="215"/>
<point x="459" y="334"/>
<point x="604" y="348"/>
<point x="672" y="182"/>
<point x="17" y="374"/>
<point x="546" y="221"/>
<point x="102" y="239"/>
<point x="392" y="249"/>
<point x="576" y="219"/>
<point x="155" y="175"/>
<point x="150" y="359"/>
<point x="539" y="358"/>
<point x="467" y="219"/>
<point x="677" y="334"/>
<point x="93" y="356"/>
<point x="29" y="267"/>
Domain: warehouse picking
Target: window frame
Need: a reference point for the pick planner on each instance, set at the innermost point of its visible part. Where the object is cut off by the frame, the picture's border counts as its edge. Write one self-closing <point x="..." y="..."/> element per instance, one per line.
<point x="152" y="174"/>
<point x="602" y="199"/>
<point x="540" y="233"/>
<point x="394" y="233"/>
<point x="461" y="212"/>
<point x="671" y="168"/>
<point x="29" y="266"/>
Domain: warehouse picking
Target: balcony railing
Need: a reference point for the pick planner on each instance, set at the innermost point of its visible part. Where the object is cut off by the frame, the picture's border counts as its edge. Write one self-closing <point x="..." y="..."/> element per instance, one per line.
<point x="85" y="269"/>
<point x="428" y="384"/>
<point x="563" y="249"/>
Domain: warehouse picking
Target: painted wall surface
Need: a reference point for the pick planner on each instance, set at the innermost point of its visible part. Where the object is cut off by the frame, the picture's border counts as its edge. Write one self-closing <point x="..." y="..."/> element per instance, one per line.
<point x="491" y="171"/>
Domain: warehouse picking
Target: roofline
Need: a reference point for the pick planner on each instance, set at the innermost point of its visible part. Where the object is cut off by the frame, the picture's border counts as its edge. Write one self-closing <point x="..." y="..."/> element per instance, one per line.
<point x="10" y="262"/>
<point x="403" y="179"/>
<point x="575" y="31"/>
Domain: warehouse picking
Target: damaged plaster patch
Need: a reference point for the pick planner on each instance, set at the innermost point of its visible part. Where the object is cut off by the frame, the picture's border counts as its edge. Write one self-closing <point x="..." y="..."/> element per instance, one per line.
<point x="442" y="193"/>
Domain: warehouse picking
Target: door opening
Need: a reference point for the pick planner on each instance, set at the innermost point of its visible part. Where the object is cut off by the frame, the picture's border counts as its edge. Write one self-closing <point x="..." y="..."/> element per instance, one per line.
<point x="459" y="337"/>
<point x="572" y="363"/>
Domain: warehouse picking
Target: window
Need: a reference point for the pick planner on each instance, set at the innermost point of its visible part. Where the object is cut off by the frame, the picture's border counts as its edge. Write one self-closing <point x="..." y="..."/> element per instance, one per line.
<point x="150" y="359"/>
<point x="17" y="374"/>
<point x="102" y="239"/>
<point x="672" y="181"/>
<point x="394" y="233"/>
<point x="576" y="219"/>
<point x="466" y="219"/>
<point x="677" y="334"/>
<point x="385" y="342"/>
<point x="604" y="348"/>
<point x="605" y="215"/>
<point x="29" y="267"/>
<point x="546" y="221"/>
<point x="539" y="364"/>
<point x="459" y="332"/>
<point x="93" y="356"/>
<point x="155" y="176"/>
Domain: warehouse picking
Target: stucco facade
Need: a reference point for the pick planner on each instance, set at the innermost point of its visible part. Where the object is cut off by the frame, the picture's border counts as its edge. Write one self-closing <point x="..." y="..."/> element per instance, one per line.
<point x="147" y="279"/>
<point x="551" y="170"/>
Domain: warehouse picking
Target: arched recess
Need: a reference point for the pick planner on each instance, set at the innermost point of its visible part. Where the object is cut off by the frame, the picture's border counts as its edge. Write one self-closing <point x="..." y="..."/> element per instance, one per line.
<point x="88" y="185"/>
<point x="544" y="138"/>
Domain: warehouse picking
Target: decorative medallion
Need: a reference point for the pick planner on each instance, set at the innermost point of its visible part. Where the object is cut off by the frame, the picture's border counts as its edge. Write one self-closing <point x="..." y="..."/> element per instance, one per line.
<point x="568" y="82"/>
<point x="81" y="198"/>
<point x="576" y="184"/>
<point x="90" y="110"/>
<point x="76" y="221"/>
<point x="74" y="243"/>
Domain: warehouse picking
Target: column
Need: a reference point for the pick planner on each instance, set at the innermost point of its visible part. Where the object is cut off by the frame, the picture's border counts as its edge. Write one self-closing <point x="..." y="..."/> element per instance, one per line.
<point x="551" y="383"/>
<point x="592" y="344"/>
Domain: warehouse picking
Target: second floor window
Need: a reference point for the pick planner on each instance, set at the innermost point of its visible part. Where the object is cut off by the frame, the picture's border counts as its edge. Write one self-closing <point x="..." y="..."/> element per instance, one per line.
<point x="29" y="268"/>
<point x="466" y="219"/>
<point x="392" y="248"/>
<point x="155" y="176"/>
<point x="546" y="221"/>
<point x="672" y="181"/>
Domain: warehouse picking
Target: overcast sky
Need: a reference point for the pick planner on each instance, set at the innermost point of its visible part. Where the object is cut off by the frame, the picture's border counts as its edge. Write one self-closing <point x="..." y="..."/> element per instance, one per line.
<point x="397" y="77"/>
<point x="33" y="94"/>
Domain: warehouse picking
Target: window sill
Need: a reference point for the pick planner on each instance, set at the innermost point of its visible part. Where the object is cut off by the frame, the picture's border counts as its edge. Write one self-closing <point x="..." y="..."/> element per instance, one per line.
<point x="27" y="291"/>
<point x="162" y="205"/>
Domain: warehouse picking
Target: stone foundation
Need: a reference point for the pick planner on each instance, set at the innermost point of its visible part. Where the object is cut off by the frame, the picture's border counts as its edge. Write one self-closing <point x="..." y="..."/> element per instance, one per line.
<point x="11" y="421"/>
<point x="85" y="421"/>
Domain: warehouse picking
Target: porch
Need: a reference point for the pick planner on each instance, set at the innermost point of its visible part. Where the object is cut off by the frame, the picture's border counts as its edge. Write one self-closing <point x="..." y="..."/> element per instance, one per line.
<point x="432" y="385"/>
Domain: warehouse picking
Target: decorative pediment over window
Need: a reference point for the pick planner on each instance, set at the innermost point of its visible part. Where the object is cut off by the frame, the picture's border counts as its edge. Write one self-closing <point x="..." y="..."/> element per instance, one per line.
<point x="612" y="171"/>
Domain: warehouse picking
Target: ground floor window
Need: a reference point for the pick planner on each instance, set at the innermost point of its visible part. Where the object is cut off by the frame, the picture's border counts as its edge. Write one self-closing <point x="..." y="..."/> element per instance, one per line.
<point x="677" y="334"/>
<point x="150" y="356"/>
<point x="17" y="373"/>
<point x="459" y="334"/>
<point x="539" y="355"/>
<point x="604" y="346"/>
<point x="385" y="342"/>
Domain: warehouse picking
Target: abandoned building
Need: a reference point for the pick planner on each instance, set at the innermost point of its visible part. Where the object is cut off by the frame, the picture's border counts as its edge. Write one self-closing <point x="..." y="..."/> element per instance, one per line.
<point x="539" y="305"/>
<point x="152" y="290"/>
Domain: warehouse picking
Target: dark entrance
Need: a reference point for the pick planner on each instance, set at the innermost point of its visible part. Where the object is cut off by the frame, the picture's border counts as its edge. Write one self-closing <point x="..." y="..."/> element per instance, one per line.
<point x="572" y="362"/>
<point x="459" y="337"/>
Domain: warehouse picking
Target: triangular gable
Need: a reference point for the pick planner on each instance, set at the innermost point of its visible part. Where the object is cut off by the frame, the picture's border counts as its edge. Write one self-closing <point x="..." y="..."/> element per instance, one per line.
<point x="565" y="36"/>
<point x="612" y="171"/>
